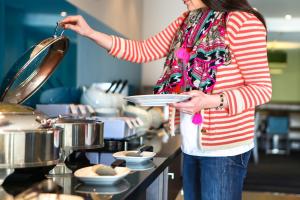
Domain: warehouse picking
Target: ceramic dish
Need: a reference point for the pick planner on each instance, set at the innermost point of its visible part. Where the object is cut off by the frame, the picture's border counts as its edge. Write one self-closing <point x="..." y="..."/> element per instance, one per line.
<point x="145" y="156"/>
<point x="147" y="165"/>
<point x="157" y="99"/>
<point x="119" y="187"/>
<point x="89" y="176"/>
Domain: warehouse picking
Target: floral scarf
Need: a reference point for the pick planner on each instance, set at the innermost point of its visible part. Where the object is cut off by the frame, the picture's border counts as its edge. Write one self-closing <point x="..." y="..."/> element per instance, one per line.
<point x="195" y="53"/>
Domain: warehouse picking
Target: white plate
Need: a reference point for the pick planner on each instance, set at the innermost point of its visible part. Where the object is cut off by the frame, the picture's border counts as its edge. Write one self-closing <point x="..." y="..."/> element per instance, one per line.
<point x="157" y="99"/>
<point x="146" y="156"/>
<point x="119" y="187"/>
<point x="147" y="165"/>
<point x="89" y="176"/>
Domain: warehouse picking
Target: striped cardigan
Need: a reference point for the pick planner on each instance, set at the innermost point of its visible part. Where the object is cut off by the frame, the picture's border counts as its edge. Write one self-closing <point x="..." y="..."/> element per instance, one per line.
<point x="245" y="82"/>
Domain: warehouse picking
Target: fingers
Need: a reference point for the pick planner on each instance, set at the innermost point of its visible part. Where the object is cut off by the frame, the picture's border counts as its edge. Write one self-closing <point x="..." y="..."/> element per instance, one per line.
<point x="71" y="27"/>
<point x="195" y="93"/>
<point x="184" y="106"/>
<point x="77" y="24"/>
<point x="71" y="19"/>
<point x="190" y="107"/>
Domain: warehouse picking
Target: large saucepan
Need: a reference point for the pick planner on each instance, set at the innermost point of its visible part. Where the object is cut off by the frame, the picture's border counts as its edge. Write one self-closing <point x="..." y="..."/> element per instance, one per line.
<point x="24" y="143"/>
<point x="79" y="134"/>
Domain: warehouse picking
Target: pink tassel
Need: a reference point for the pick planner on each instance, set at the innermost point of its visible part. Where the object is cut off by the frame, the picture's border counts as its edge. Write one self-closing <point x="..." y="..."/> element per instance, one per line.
<point x="197" y="119"/>
<point x="183" y="54"/>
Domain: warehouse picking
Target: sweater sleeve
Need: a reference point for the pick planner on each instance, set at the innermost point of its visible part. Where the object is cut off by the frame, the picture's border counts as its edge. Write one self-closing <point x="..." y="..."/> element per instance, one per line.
<point x="153" y="48"/>
<point x="247" y="40"/>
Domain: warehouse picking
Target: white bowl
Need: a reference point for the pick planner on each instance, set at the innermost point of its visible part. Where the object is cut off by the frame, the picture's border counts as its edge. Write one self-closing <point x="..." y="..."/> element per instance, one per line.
<point x="119" y="187"/>
<point x="146" y="156"/>
<point x="147" y="165"/>
<point x="89" y="176"/>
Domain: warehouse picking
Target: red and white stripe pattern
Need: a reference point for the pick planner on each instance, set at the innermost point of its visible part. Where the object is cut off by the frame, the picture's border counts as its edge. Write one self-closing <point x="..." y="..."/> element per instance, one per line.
<point x="153" y="48"/>
<point x="245" y="81"/>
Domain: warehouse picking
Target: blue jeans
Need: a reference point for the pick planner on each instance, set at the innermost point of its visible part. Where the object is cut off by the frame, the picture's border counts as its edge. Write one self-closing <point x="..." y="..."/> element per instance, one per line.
<point x="214" y="178"/>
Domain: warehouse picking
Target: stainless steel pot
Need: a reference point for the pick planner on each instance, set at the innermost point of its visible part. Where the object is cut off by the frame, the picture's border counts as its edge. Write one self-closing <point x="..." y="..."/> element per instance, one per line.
<point x="81" y="133"/>
<point x="23" y="142"/>
<point x="30" y="148"/>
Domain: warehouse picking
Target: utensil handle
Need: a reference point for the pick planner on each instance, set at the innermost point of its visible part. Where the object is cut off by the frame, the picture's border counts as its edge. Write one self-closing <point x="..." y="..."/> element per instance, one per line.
<point x="118" y="163"/>
<point x="118" y="83"/>
<point x="123" y="86"/>
<point x="111" y="85"/>
<point x="56" y="30"/>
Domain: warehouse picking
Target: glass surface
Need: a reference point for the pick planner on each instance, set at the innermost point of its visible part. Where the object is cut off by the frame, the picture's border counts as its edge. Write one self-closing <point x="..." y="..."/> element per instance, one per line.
<point x="120" y="190"/>
<point x="134" y="179"/>
<point x="24" y="70"/>
<point x="141" y="176"/>
<point x="32" y="69"/>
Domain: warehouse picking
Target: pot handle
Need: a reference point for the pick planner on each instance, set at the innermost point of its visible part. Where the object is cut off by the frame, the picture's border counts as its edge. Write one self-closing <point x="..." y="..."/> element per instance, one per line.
<point x="55" y="35"/>
<point x="46" y="122"/>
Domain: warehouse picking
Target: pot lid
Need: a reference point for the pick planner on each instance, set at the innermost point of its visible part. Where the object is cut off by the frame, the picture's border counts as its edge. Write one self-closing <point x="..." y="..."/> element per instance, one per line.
<point x="33" y="69"/>
<point x="7" y="108"/>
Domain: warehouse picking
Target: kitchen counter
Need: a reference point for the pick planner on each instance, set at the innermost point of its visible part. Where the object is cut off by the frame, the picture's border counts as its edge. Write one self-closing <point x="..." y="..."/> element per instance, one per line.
<point x="151" y="183"/>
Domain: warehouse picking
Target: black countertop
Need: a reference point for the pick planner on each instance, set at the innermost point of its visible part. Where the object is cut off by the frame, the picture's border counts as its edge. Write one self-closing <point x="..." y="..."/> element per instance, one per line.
<point x="132" y="187"/>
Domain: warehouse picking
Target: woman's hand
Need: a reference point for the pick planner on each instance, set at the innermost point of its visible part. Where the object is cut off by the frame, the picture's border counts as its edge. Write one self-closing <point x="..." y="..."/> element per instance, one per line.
<point x="78" y="24"/>
<point x="199" y="101"/>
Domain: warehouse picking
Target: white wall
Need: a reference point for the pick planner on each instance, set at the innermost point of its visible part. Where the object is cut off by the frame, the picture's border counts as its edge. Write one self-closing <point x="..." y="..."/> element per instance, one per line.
<point x="95" y="65"/>
<point x="157" y="14"/>
<point x="122" y="16"/>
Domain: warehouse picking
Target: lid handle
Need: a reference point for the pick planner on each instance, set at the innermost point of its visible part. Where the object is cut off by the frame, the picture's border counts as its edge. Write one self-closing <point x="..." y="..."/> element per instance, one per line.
<point x="56" y="31"/>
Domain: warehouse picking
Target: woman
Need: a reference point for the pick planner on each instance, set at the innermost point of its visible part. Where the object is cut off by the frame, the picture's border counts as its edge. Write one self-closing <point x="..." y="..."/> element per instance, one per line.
<point x="215" y="52"/>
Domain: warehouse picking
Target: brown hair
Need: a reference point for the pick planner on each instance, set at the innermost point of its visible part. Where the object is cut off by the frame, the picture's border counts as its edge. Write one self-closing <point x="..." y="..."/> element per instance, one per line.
<point x="233" y="5"/>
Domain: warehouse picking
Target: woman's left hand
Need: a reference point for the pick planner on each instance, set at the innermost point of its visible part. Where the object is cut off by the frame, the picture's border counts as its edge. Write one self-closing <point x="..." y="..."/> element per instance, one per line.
<point x="199" y="100"/>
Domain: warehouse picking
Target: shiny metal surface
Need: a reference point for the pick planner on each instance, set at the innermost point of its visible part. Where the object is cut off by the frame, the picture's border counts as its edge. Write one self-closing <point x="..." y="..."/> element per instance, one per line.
<point x="24" y="142"/>
<point x="81" y="134"/>
<point x="7" y="108"/>
<point x="28" y="148"/>
<point x="46" y="190"/>
<point x="18" y="122"/>
<point x="21" y="149"/>
<point x="32" y="69"/>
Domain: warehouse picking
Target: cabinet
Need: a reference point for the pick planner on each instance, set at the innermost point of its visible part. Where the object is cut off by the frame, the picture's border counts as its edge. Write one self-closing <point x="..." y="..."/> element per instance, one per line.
<point x="175" y="177"/>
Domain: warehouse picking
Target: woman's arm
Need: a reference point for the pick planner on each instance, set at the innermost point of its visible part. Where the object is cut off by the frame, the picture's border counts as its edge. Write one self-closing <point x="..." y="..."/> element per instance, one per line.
<point x="247" y="38"/>
<point x="153" y="48"/>
<point x="79" y="25"/>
